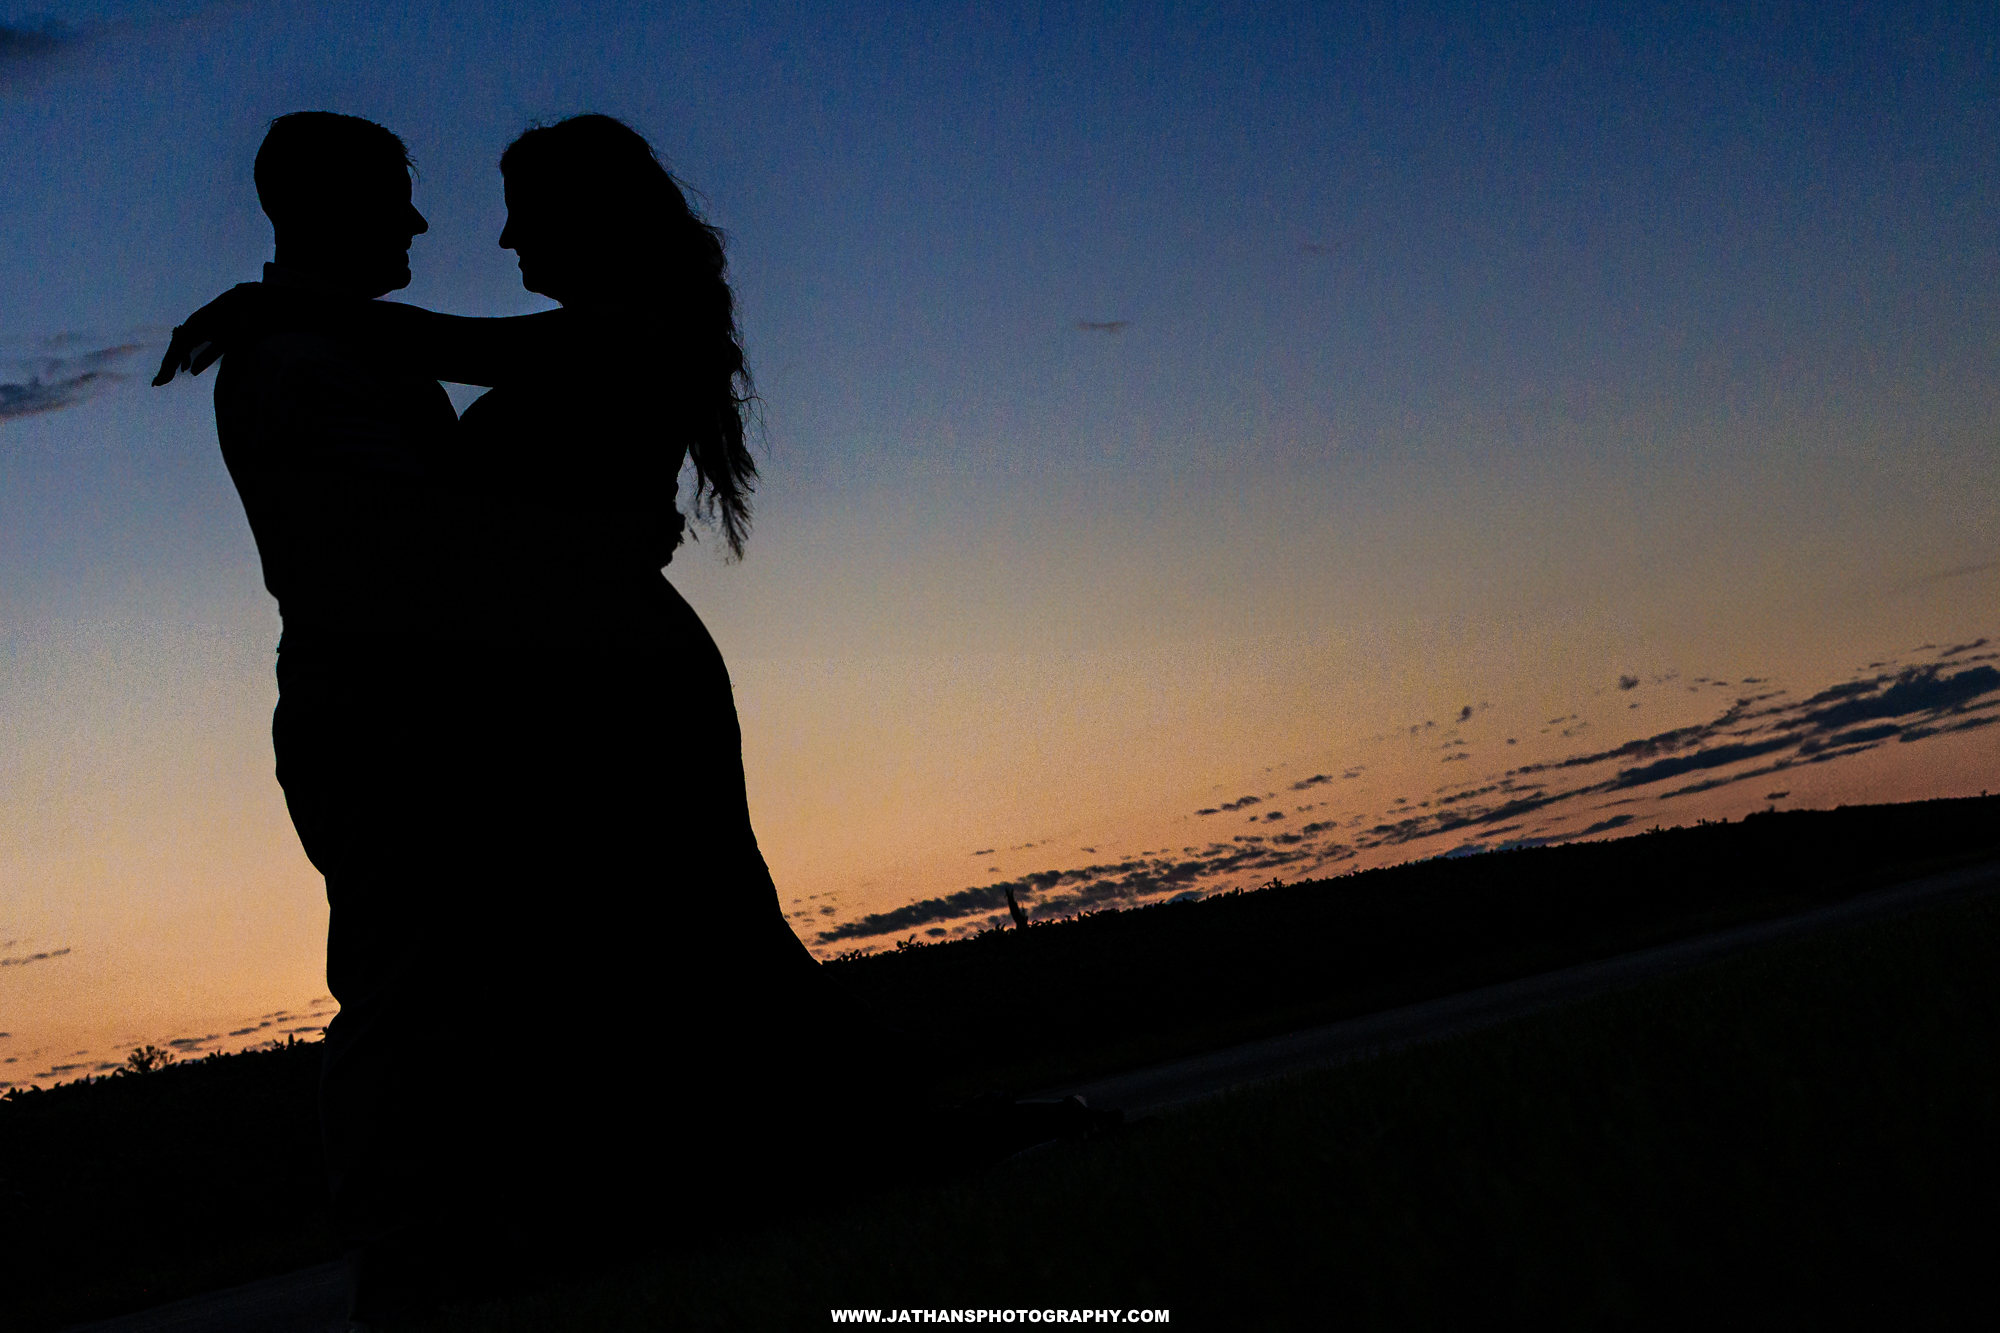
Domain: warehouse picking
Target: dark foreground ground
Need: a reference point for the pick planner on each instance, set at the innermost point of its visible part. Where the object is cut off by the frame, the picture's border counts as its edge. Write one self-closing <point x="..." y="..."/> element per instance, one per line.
<point x="1802" y="1137"/>
<point x="126" y="1192"/>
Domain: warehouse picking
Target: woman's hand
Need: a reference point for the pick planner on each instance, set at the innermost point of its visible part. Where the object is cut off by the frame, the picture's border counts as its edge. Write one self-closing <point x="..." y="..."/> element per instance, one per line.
<point x="225" y="322"/>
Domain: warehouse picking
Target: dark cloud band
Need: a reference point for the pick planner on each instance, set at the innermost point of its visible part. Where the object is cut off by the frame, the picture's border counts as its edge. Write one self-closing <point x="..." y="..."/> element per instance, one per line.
<point x="30" y="42"/>
<point x="54" y="382"/>
<point x="1058" y="893"/>
<point x="1756" y="736"/>
<point x="32" y="958"/>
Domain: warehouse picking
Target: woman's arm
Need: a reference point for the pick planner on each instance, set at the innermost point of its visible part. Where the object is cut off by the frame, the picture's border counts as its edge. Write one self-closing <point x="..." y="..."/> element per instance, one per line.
<point x="458" y="348"/>
<point x="464" y="349"/>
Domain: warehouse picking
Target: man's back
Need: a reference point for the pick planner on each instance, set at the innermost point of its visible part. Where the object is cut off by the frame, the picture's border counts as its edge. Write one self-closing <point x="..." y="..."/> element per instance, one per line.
<point x="335" y="459"/>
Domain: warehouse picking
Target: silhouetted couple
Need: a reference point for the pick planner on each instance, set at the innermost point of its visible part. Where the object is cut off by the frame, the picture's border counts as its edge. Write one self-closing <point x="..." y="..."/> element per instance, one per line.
<point x="569" y="1000"/>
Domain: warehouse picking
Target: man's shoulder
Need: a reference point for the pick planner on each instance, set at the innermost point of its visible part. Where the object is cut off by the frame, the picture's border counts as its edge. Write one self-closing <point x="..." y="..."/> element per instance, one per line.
<point x="296" y="362"/>
<point x="305" y="385"/>
<point x="275" y="351"/>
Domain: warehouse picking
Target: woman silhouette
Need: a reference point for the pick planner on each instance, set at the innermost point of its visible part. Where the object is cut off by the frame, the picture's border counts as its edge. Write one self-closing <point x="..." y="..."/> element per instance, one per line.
<point x="632" y="923"/>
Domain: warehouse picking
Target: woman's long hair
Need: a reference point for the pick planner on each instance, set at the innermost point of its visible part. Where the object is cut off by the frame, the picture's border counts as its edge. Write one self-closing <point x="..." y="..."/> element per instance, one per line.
<point x="639" y="212"/>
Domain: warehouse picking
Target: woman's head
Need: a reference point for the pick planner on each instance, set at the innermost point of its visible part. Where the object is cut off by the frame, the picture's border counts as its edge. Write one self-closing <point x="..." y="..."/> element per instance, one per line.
<point x="598" y="222"/>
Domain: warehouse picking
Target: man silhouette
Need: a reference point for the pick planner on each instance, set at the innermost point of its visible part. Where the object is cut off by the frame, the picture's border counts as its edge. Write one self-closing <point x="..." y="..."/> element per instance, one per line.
<point x="334" y="453"/>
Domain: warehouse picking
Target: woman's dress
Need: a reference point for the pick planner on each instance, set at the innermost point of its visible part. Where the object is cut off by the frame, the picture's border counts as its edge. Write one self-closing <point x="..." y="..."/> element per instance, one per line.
<point x="625" y="956"/>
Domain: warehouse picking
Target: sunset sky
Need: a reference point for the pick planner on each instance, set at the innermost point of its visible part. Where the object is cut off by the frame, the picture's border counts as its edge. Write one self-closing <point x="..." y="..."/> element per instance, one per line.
<point x="1202" y="444"/>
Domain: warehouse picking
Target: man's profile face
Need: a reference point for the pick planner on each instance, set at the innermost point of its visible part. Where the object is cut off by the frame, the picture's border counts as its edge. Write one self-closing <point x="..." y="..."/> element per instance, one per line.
<point x="359" y="235"/>
<point x="378" y="231"/>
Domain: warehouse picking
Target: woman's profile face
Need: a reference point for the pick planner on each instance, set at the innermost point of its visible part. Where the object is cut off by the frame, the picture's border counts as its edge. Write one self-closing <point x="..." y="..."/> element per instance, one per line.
<point x="543" y="235"/>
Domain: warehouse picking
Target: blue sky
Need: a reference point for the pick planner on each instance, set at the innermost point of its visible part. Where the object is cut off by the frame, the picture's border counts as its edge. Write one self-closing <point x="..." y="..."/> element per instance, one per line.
<point x="1446" y="357"/>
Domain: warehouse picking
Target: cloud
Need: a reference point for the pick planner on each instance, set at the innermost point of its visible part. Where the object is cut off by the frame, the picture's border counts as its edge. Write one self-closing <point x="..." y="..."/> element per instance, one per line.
<point x="1662" y="742"/>
<point x="1413" y="827"/>
<point x="1913" y="690"/>
<point x="966" y="902"/>
<point x="1837" y="722"/>
<point x="32" y="40"/>
<point x="32" y="958"/>
<point x="1970" y="724"/>
<point x="1111" y="326"/>
<point x="1859" y="736"/>
<point x="35" y="396"/>
<point x="1058" y="893"/>
<point x="1606" y="825"/>
<point x="1757" y="734"/>
<point x="1661" y="770"/>
<point x="55" y="378"/>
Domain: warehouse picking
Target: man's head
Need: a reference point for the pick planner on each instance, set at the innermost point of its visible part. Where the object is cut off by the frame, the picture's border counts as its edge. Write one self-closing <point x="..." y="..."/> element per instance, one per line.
<point x="337" y="191"/>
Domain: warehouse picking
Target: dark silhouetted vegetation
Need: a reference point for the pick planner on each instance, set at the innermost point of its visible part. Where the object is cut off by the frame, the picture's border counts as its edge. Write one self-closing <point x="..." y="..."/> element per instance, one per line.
<point x="121" y="1191"/>
<point x="147" y="1059"/>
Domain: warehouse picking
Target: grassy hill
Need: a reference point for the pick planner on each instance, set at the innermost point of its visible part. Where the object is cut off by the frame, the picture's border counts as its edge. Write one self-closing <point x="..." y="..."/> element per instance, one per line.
<point x="121" y="1192"/>
<point x="1062" y="1000"/>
